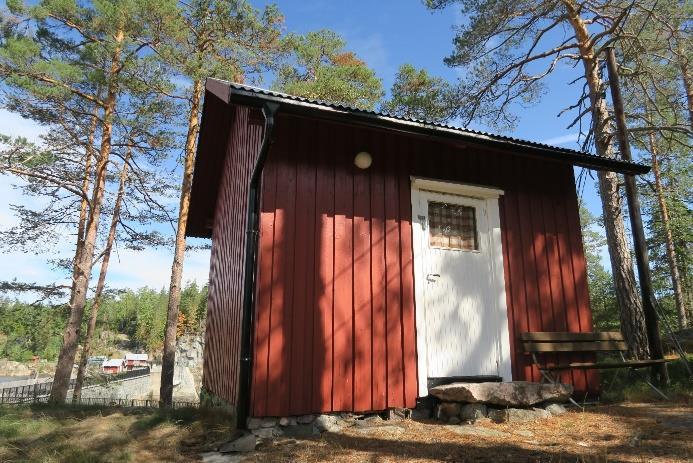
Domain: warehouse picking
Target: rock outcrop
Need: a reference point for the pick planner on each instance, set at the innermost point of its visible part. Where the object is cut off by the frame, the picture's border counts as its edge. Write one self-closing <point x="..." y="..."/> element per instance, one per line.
<point x="11" y="368"/>
<point x="187" y="376"/>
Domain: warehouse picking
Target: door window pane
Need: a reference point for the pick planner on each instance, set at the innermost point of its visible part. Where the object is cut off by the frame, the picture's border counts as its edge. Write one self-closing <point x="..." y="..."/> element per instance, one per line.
<point x="452" y="226"/>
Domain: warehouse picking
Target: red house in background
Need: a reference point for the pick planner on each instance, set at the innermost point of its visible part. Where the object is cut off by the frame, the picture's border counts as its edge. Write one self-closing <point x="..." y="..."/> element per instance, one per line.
<point x="133" y="361"/>
<point x="113" y="366"/>
<point x="356" y="256"/>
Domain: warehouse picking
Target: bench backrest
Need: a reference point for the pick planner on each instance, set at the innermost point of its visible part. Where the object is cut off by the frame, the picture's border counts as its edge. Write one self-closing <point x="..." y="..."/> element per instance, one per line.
<point x="550" y="341"/>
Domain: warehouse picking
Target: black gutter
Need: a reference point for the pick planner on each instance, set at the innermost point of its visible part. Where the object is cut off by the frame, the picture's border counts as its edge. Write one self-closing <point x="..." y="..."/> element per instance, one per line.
<point x="537" y="151"/>
<point x="269" y="110"/>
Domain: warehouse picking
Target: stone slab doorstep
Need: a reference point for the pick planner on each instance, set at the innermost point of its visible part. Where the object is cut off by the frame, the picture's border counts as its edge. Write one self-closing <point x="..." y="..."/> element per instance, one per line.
<point x="509" y="394"/>
<point x="245" y="443"/>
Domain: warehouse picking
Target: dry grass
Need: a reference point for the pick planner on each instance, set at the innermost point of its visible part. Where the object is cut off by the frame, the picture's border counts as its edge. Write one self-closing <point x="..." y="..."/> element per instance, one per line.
<point x="617" y="433"/>
<point x="627" y="433"/>
<point x="91" y="434"/>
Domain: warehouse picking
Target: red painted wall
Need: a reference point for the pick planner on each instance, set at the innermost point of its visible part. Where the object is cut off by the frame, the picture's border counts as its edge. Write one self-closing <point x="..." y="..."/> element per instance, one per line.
<point x="334" y="322"/>
<point x="225" y="299"/>
<point x="335" y="304"/>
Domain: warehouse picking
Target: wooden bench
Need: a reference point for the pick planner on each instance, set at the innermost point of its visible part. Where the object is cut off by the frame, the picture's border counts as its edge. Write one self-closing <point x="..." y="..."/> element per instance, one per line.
<point x="548" y="342"/>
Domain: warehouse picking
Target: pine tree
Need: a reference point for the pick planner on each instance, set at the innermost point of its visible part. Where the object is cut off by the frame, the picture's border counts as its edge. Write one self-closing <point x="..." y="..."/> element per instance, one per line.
<point x="68" y="51"/>
<point x="416" y="94"/>
<point x="226" y="39"/>
<point x="658" y="107"/>
<point x="101" y="282"/>
<point x="508" y="49"/>
<point x="321" y="69"/>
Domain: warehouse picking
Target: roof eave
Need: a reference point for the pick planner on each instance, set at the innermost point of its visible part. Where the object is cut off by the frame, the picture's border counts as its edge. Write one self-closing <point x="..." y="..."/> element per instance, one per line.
<point x="231" y="94"/>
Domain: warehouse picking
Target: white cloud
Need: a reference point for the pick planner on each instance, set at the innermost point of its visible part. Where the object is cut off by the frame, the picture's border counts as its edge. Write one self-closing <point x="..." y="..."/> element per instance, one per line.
<point x="25" y="267"/>
<point x="371" y="49"/>
<point x="152" y="267"/>
<point x="562" y="140"/>
<point x="14" y="125"/>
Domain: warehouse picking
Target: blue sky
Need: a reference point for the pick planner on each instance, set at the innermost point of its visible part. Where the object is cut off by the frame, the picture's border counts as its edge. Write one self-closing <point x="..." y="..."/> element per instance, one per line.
<point x="385" y="34"/>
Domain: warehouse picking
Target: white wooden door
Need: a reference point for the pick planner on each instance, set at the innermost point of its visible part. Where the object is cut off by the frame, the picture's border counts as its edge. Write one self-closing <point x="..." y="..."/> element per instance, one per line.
<point x="457" y="253"/>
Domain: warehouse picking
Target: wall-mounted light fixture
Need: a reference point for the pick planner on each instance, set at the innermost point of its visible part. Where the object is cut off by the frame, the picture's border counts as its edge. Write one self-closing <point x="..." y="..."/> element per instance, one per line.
<point x="363" y="160"/>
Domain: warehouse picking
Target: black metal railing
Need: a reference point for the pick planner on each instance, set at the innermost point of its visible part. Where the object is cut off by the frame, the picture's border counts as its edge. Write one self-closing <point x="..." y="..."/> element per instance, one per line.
<point x="101" y="401"/>
<point x="35" y="392"/>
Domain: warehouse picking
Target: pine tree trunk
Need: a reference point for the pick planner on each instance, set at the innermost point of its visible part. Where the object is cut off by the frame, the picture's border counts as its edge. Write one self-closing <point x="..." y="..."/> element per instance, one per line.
<point x="668" y="237"/>
<point x="84" y="203"/>
<point x="66" y="358"/>
<point x="168" y="359"/>
<point x="96" y="303"/>
<point x="632" y="317"/>
<point x="685" y="76"/>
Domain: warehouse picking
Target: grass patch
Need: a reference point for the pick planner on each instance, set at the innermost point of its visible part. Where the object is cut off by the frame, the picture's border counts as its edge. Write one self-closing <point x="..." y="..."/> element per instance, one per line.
<point x="620" y="386"/>
<point x="13" y="424"/>
<point x="48" y="433"/>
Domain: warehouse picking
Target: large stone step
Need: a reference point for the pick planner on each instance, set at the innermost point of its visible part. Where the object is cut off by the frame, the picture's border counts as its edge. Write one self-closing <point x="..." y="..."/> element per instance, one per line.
<point x="510" y="394"/>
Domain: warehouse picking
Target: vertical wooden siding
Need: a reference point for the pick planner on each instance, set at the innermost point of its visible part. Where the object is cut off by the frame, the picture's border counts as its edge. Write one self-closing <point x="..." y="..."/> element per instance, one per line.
<point x="545" y="269"/>
<point x="334" y="321"/>
<point x="335" y="302"/>
<point x="544" y="263"/>
<point x="224" y="305"/>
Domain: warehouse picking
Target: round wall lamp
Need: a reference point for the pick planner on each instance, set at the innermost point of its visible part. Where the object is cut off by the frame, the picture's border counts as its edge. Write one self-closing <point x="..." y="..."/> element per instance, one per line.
<point x="363" y="160"/>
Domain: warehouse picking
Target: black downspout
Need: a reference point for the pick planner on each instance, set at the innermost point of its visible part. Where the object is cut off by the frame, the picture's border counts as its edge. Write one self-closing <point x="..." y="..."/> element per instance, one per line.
<point x="251" y="242"/>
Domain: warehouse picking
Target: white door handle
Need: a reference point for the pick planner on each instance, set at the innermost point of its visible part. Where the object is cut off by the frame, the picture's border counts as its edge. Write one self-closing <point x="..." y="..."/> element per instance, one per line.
<point x="432" y="276"/>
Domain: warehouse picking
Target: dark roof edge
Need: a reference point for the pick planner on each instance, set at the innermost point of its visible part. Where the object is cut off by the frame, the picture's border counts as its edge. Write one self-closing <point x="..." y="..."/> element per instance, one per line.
<point x="253" y="96"/>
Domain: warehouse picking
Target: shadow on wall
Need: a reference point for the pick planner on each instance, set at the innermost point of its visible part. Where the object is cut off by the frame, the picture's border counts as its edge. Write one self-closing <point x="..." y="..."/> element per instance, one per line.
<point x="334" y="321"/>
<point x="335" y="288"/>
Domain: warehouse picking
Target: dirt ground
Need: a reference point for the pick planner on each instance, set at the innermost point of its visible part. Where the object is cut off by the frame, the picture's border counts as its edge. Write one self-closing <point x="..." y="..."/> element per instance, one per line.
<point x="625" y="433"/>
<point x="616" y="433"/>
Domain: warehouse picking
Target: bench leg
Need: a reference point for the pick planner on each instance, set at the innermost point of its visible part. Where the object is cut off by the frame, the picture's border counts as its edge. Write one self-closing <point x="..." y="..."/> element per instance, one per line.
<point x="545" y="376"/>
<point x="664" y="396"/>
<point x="613" y="380"/>
<point x="633" y="372"/>
<point x="644" y="378"/>
<point x="551" y="379"/>
<point x="654" y="388"/>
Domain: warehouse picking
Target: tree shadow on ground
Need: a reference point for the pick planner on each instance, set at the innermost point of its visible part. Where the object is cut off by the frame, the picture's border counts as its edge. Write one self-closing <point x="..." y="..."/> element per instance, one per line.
<point x="613" y="434"/>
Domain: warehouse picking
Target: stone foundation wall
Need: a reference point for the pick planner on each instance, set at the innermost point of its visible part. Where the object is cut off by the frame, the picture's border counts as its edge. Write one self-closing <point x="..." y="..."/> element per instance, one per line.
<point x="313" y="425"/>
<point x="132" y="388"/>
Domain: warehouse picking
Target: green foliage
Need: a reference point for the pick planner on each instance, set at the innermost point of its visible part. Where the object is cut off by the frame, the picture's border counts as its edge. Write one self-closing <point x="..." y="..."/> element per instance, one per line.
<point x="619" y="386"/>
<point x="656" y="60"/>
<point x="224" y="39"/>
<point x="654" y="63"/>
<point x="193" y="307"/>
<point x="322" y="69"/>
<point x="677" y="172"/>
<point x="58" y="59"/>
<point x="418" y="95"/>
<point x="28" y="330"/>
<point x="141" y="314"/>
<point x="605" y="312"/>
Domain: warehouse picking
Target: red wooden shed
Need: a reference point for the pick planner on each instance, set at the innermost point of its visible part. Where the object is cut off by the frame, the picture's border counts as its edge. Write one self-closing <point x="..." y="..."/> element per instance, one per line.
<point x="357" y="256"/>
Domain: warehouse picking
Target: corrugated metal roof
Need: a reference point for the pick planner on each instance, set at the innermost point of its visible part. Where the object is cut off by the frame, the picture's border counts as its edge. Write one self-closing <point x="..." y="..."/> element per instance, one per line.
<point x="136" y="357"/>
<point x="241" y="90"/>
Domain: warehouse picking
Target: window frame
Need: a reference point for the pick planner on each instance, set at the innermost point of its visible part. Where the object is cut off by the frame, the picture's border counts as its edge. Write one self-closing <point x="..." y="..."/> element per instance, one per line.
<point x="477" y="241"/>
